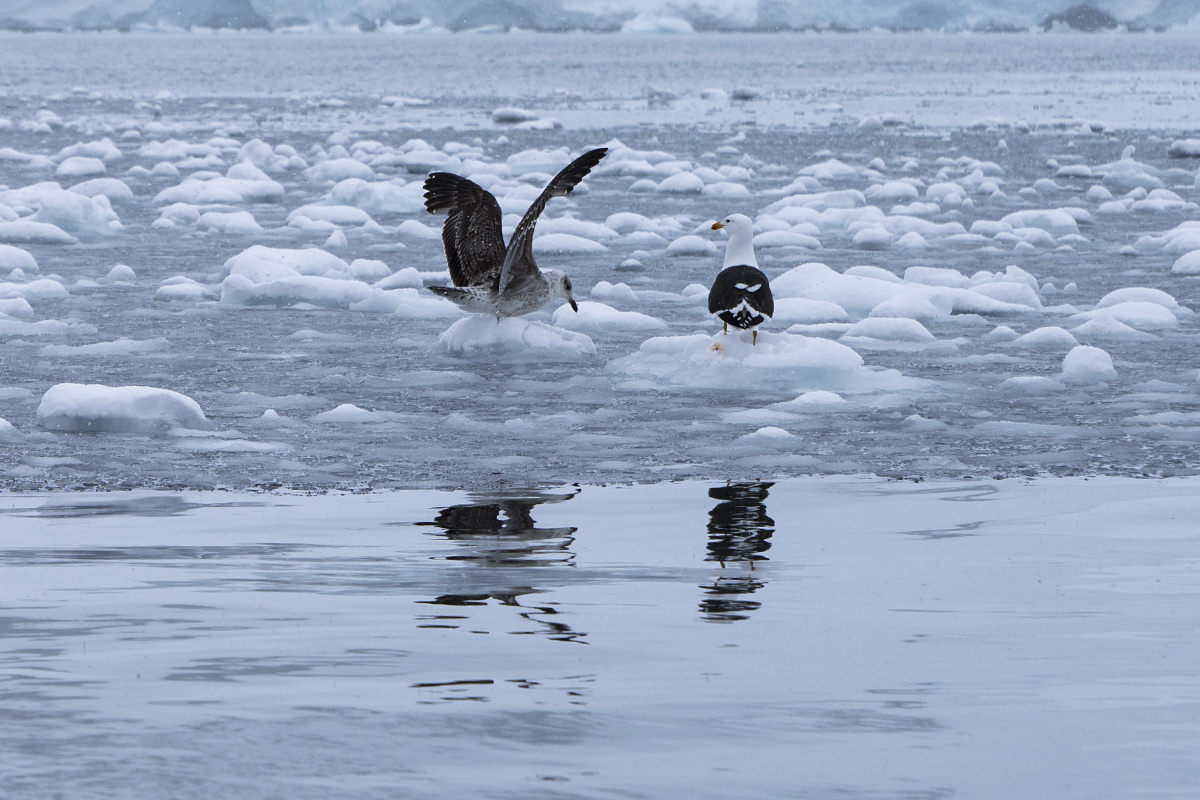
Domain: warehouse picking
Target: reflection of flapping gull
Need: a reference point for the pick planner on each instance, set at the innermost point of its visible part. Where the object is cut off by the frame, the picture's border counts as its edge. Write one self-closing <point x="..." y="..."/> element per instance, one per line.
<point x="502" y="532"/>
<point x="488" y="277"/>
<point x="741" y="295"/>
<point x="496" y="535"/>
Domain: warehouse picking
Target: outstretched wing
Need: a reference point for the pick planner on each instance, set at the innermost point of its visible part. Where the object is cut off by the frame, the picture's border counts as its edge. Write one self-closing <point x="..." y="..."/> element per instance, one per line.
<point x="471" y="234"/>
<point x="518" y="258"/>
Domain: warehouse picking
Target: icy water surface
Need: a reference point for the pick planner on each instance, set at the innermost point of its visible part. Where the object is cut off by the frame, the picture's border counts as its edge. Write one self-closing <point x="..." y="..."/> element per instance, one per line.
<point x="814" y="148"/>
<point x="818" y="638"/>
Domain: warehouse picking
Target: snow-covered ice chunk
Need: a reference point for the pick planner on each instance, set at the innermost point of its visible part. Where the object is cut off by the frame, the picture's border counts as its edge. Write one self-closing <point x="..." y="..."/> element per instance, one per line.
<point x="513" y="338"/>
<point x="692" y="245"/>
<point x="1187" y="264"/>
<point x="80" y="167"/>
<point x="121" y="273"/>
<point x="17" y="258"/>
<point x="778" y="361"/>
<point x="115" y="189"/>
<point x="1050" y="337"/>
<point x="94" y="407"/>
<point x="239" y="222"/>
<point x="1088" y="364"/>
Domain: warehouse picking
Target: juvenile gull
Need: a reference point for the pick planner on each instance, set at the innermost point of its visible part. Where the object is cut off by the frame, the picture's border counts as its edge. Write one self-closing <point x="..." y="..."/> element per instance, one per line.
<point x="488" y="277"/>
<point x="741" y="294"/>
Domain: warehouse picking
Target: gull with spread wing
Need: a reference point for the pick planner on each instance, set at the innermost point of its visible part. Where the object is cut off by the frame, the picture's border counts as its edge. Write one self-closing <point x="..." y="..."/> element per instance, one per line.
<point x="488" y="277"/>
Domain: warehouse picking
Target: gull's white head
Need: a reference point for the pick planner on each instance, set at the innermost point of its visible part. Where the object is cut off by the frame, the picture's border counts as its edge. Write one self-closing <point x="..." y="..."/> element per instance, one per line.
<point x="735" y="223"/>
<point x="740" y="249"/>
<point x="560" y="286"/>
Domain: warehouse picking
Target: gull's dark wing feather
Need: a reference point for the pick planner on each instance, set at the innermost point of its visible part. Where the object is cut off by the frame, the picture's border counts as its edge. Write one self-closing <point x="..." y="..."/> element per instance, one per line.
<point x="518" y="258"/>
<point x="471" y="234"/>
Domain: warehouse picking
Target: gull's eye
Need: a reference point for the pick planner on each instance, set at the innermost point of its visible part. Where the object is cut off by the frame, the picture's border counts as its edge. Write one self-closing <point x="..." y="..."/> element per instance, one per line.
<point x="567" y="283"/>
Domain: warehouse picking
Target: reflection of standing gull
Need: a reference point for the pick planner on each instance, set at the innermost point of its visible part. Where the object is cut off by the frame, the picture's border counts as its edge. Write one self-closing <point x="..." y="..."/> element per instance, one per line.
<point x="490" y="278"/>
<point x="738" y="530"/>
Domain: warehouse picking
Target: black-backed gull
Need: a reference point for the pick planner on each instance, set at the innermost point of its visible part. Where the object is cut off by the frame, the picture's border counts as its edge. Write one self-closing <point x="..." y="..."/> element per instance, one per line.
<point x="741" y="294"/>
<point x="488" y="277"/>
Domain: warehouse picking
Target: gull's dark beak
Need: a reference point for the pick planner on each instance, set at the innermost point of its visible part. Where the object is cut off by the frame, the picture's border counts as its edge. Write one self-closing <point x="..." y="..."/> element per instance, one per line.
<point x="574" y="305"/>
<point x="717" y="226"/>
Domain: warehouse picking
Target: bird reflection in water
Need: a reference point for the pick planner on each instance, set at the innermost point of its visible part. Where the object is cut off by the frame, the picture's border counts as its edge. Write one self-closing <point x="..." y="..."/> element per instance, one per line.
<point x="739" y="530"/>
<point x="499" y="534"/>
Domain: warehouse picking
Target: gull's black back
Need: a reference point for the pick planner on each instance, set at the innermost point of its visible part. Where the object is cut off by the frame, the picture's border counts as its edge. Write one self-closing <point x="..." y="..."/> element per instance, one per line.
<point x="740" y="285"/>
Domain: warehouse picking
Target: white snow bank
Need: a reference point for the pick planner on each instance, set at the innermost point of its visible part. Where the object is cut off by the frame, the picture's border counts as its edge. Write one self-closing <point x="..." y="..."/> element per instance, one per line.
<point x="778" y="361"/>
<point x="97" y="408"/>
<point x="513" y="338"/>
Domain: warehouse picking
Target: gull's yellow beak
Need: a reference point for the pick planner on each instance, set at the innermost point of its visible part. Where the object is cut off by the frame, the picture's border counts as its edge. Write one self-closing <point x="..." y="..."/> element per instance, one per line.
<point x="717" y="226"/>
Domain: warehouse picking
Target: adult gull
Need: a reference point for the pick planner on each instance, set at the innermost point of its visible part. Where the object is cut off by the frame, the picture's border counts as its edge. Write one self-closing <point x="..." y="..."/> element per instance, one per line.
<point x="741" y="294"/>
<point x="488" y="277"/>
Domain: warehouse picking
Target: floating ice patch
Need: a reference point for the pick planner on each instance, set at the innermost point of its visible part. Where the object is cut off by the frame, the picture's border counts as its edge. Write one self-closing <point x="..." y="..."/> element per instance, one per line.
<point x="118" y="348"/>
<point x="598" y="317"/>
<point x="379" y="198"/>
<point x="622" y="292"/>
<point x="39" y="290"/>
<point x="350" y="413"/>
<point x="1140" y="314"/>
<point x="335" y="214"/>
<point x="692" y="245"/>
<point x="566" y="243"/>
<point x="1187" y="264"/>
<point x="513" y="338"/>
<point x="1056" y="222"/>
<point x="890" y="329"/>
<point x="60" y="210"/>
<point x="77" y="407"/>
<point x="339" y="169"/>
<point x="406" y="303"/>
<point x="182" y="288"/>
